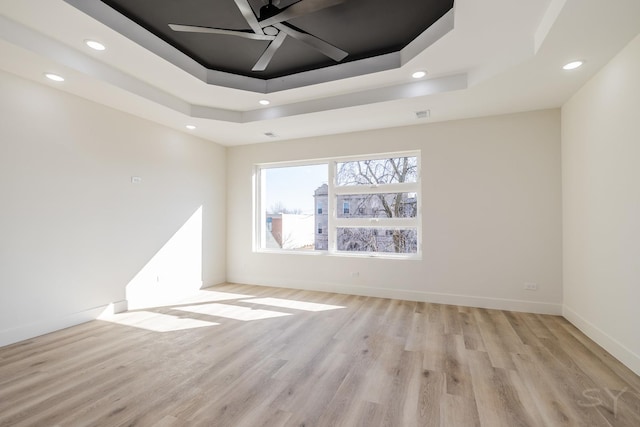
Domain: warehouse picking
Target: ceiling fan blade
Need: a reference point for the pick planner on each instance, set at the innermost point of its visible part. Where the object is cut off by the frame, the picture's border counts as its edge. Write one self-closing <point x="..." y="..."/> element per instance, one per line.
<point x="264" y="60"/>
<point x="328" y="49"/>
<point x="249" y="16"/>
<point x="298" y="9"/>
<point x="209" y="30"/>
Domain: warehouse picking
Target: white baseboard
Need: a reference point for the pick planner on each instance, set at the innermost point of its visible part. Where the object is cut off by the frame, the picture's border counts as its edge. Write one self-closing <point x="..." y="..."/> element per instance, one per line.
<point x="45" y="326"/>
<point x="408" y="295"/>
<point x="115" y="308"/>
<point x="604" y="340"/>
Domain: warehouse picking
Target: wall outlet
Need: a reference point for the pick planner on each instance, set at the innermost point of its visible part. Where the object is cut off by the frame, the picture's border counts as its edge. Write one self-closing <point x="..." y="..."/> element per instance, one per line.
<point x="530" y="286"/>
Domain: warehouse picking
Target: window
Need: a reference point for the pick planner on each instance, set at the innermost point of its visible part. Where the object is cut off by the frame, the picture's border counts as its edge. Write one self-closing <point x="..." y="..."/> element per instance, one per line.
<point x="382" y="205"/>
<point x="386" y="188"/>
<point x="377" y="240"/>
<point x="365" y="205"/>
<point x="288" y="196"/>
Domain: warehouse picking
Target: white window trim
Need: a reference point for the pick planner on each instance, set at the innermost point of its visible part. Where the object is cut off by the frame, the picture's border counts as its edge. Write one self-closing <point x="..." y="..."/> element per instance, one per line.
<point x="334" y="190"/>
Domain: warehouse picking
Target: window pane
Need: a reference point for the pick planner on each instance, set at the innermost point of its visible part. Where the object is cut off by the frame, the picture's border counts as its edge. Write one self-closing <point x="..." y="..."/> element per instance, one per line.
<point x="381" y="205"/>
<point x="386" y="240"/>
<point x="295" y="207"/>
<point x="374" y="172"/>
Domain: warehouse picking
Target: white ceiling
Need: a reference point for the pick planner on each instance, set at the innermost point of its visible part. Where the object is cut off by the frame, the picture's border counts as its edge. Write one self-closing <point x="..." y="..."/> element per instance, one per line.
<point x="502" y="56"/>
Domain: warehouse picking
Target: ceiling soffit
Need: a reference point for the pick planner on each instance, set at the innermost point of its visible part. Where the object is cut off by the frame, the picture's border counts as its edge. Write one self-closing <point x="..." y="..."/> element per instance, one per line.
<point x="377" y="37"/>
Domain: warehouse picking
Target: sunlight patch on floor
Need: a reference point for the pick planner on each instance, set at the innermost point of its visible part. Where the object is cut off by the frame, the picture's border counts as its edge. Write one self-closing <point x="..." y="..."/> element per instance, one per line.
<point x="232" y="312"/>
<point x="297" y="305"/>
<point x="157" y="322"/>
<point x="211" y="296"/>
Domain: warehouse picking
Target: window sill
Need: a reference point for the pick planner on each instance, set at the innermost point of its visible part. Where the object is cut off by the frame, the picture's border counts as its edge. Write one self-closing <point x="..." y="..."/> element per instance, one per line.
<point x="369" y="255"/>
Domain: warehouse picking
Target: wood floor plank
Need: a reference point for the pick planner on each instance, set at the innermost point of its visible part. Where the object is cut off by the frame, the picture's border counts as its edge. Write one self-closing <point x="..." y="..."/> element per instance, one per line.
<point x="470" y="332"/>
<point x="383" y="370"/>
<point x="369" y="414"/>
<point x="169" y="421"/>
<point x="456" y="369"/>
<point x="431" y="393"/>
<point x="279" y="418"/>
<point x="495" y="342"/>
<point x="399" y="406"/>
<point x="237" y="355"/>
<point x="308" y="409"/>
<point x="605" y="358"/>
<point x="497" y="400"/>
<point x="228" y="411"/>
<point x="563" y="374"/>
<point x="521" y="328"/>
<point x="601" y="373"/>
<point x="548" y="399"/>
<point x="459" y="411"/>
<point x="434" y="344"/>
<point x="600" y="381"/>
<point x="417" y="332"/>
<point x="452" y="324"/>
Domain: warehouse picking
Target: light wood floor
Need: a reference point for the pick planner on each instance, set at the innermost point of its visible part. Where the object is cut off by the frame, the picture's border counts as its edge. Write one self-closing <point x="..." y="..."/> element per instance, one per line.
<point x="252" y="356"/>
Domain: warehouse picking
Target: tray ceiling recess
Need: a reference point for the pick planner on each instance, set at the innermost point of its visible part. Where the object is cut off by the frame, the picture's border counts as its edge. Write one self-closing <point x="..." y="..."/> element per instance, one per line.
<point x="271" y="45"/>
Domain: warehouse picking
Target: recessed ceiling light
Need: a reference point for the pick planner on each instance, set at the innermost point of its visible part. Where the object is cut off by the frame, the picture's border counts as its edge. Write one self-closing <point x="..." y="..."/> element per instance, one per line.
<point x="95" y="45"/>
<point x="54" y="77"/>
<point x="573" y="65"/>
<point x="190" y="127"/>
<point x="264" y="102"/>
<point x="418" y="74"/>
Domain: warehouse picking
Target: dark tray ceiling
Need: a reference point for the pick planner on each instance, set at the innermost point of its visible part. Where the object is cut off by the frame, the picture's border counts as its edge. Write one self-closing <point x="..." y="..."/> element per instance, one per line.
<point x="363" y="28"/>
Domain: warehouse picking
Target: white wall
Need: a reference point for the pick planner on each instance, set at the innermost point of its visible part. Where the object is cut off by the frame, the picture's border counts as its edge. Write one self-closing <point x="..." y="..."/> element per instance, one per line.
<point x="491" y="212"/>
<point x="74" y="230"/>
<point x="601" y="209"/>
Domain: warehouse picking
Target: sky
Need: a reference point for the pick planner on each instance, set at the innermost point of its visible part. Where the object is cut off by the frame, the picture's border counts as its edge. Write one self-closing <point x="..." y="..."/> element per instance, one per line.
<point x="294" y="186"/>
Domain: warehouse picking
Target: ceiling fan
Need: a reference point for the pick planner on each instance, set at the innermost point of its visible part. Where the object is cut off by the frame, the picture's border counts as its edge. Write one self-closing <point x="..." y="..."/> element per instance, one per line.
<point x="271" y="25"/>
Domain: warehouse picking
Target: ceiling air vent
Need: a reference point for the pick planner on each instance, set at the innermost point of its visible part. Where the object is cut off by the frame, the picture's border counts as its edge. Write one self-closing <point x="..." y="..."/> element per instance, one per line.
<point x="424" y="114"/>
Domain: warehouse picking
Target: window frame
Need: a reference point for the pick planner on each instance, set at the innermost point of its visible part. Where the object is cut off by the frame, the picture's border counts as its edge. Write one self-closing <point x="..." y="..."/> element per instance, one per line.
<point x="333" y="221"/>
